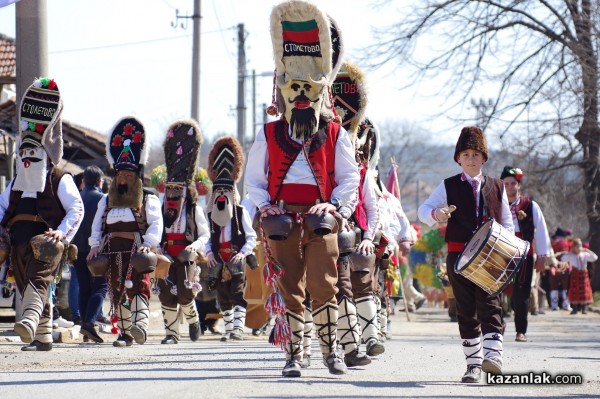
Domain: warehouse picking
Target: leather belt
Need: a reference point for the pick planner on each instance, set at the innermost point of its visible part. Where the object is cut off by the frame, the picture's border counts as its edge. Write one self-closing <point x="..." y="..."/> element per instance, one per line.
<point x="24" y="217"/>
<point x="178" y="242"/>
<point x="129" y="235"/>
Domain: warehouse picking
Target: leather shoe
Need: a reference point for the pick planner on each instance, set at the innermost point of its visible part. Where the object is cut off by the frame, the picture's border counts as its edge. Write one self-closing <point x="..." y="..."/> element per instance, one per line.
<point x="138" y="333"/>
<point x="305" y="362"/>
<point x="473" y="374"/>
<point x="194" y="329"/>
<point x="24" y="330"/>
<point x="88" y="330"/>
<point x="169" y="340"/>
<point x="374" y="347"/>
<point x="492" y="365"/>
<point x="291" y="369"/>
<point x="335" y="364"/>
<point x="123" y="340"/>
<point x="521" y="337"/>
<point x="356" y="358"/>
<point x="237" y="334"/>
<point x="37" y="346"/>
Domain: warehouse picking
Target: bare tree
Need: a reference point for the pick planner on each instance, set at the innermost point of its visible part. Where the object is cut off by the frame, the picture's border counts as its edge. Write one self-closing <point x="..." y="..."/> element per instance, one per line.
<point x="540" y="58"/>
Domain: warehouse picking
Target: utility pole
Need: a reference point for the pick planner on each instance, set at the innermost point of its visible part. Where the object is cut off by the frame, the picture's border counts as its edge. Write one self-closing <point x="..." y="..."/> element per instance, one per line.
<point x="32" y="51"/>
<point x="196" y="62"/>
<point x="241" y="103"/>
<point x="196" y="19"/>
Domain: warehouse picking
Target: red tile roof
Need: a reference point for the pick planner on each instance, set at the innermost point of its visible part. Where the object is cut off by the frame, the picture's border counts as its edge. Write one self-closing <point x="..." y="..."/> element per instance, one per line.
<point x="8" y="57"/>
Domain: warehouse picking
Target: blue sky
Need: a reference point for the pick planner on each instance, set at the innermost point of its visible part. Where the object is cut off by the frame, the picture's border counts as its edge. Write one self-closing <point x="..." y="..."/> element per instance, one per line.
<point x="114" y="58"/>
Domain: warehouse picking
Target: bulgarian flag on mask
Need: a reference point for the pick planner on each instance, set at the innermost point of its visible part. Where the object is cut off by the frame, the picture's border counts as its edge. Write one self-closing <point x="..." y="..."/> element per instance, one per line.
<point x="301" y="38"/>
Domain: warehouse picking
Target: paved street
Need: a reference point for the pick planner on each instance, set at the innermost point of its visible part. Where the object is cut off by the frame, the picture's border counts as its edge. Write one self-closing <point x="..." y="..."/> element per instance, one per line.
<point x="423" y="360"/>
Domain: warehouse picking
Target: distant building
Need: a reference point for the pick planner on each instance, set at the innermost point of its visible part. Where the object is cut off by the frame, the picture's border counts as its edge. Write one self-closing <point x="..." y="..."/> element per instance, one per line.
<point x="82" y="146"/>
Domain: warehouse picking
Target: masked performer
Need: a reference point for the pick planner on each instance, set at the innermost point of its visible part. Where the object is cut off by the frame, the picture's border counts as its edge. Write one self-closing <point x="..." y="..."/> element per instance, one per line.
<point x="232" y="237"/>
<point x="40" y="211"/>
<point x="127" y="226"/>
<point x="304" y="162"/>
<point x="350" y="99"/>
<point x="186" y="230"/>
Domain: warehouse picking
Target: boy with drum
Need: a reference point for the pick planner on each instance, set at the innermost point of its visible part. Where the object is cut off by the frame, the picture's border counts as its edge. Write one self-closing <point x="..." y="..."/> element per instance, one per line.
<point x="476" y="198"/>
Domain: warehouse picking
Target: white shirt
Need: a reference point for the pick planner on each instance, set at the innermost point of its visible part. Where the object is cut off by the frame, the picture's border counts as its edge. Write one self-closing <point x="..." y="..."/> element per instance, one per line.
<point x="580" y="260"/>
<point x="69" y="197"/>
<point x="178" y="227"/>
<point x="226" y="235"/>
<point x="541" y="238"/>
<point x="371" y="205"/>
<point x="399" y="225"/>
<point x="439" y="198"/>
<point x="346" y="170"/>
<point x="153" y="217"/>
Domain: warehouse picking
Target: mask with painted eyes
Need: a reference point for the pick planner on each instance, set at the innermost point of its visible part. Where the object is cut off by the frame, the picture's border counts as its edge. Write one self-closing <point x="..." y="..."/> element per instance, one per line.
<point x="222" y="206"/>
<point x="173" y="205"/>
<point x="32" y="165"/>
<point x="303" y="101"/>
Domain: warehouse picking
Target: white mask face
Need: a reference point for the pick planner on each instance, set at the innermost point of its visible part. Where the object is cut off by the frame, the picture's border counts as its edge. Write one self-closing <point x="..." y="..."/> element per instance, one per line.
<point x="303" y="101"/>
<point x="32" y="165"/>
<point x="222" y="207"/>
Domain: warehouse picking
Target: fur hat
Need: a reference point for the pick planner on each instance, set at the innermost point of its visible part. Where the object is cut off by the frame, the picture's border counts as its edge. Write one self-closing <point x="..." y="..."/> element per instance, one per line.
<point x="40" y="123"/>
<point x="349" y="91"/>
<point x="225" y="162"/>
<point x="512" y="171"/>
<point x="471" y="138"/>
<point x="301" y="36"/>
<point x="368" y="139"/>
<point x="126" y="148"/>
<point x="182" y="147"/>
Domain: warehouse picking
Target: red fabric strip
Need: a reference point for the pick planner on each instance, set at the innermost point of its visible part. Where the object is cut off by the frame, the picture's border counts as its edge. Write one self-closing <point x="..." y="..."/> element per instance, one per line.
<point x="454" y="246"/>
<point x="299" y="194"/>
<point x="309" y="36"/>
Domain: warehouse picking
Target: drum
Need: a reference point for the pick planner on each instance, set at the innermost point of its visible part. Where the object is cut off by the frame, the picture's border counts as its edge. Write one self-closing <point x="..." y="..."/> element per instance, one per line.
<point x="491" y="257"/>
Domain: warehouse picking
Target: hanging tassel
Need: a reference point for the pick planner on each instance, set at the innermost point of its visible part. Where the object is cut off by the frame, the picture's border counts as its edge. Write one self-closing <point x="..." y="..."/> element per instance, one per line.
<point x="275" y="304"/>
<point x="196" y="288"/>
<point x="156" y="290"/>
<point x="281" y="334"/>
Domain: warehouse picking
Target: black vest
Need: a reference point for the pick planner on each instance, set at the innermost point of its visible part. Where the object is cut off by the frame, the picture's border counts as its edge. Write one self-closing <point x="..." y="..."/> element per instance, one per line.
<point x="48" y="204"/>
<point x="238" y="236"/>
<point x="526" y="225"/>
<point x="464" y="222"/>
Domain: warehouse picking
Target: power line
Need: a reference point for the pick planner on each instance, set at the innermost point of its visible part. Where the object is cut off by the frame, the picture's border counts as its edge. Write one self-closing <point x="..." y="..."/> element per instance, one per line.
<point x="109" y="46"/>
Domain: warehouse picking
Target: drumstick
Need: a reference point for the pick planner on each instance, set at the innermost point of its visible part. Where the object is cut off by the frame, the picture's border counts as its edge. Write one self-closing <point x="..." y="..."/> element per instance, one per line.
<point x="451" y="208"/>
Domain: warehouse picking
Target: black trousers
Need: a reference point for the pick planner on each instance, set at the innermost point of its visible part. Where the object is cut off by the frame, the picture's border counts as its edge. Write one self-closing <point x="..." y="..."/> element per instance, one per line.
<point x="477" y="312"/>
<point x="520" y="294"/>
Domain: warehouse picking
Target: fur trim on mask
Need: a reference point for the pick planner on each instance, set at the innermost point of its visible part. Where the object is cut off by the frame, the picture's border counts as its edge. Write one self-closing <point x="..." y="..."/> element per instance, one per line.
<point x="231" y="149"/>
<point x="145" y="149"/>
<point x="366" y="126"/>
<point x="50" y="130"/>
<point x="471" y="138"/>
<point x="301" y="67"/>
<point x="182" y="160"/>
<point x="132" y="199"/>
<point x="351" y="71"/>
